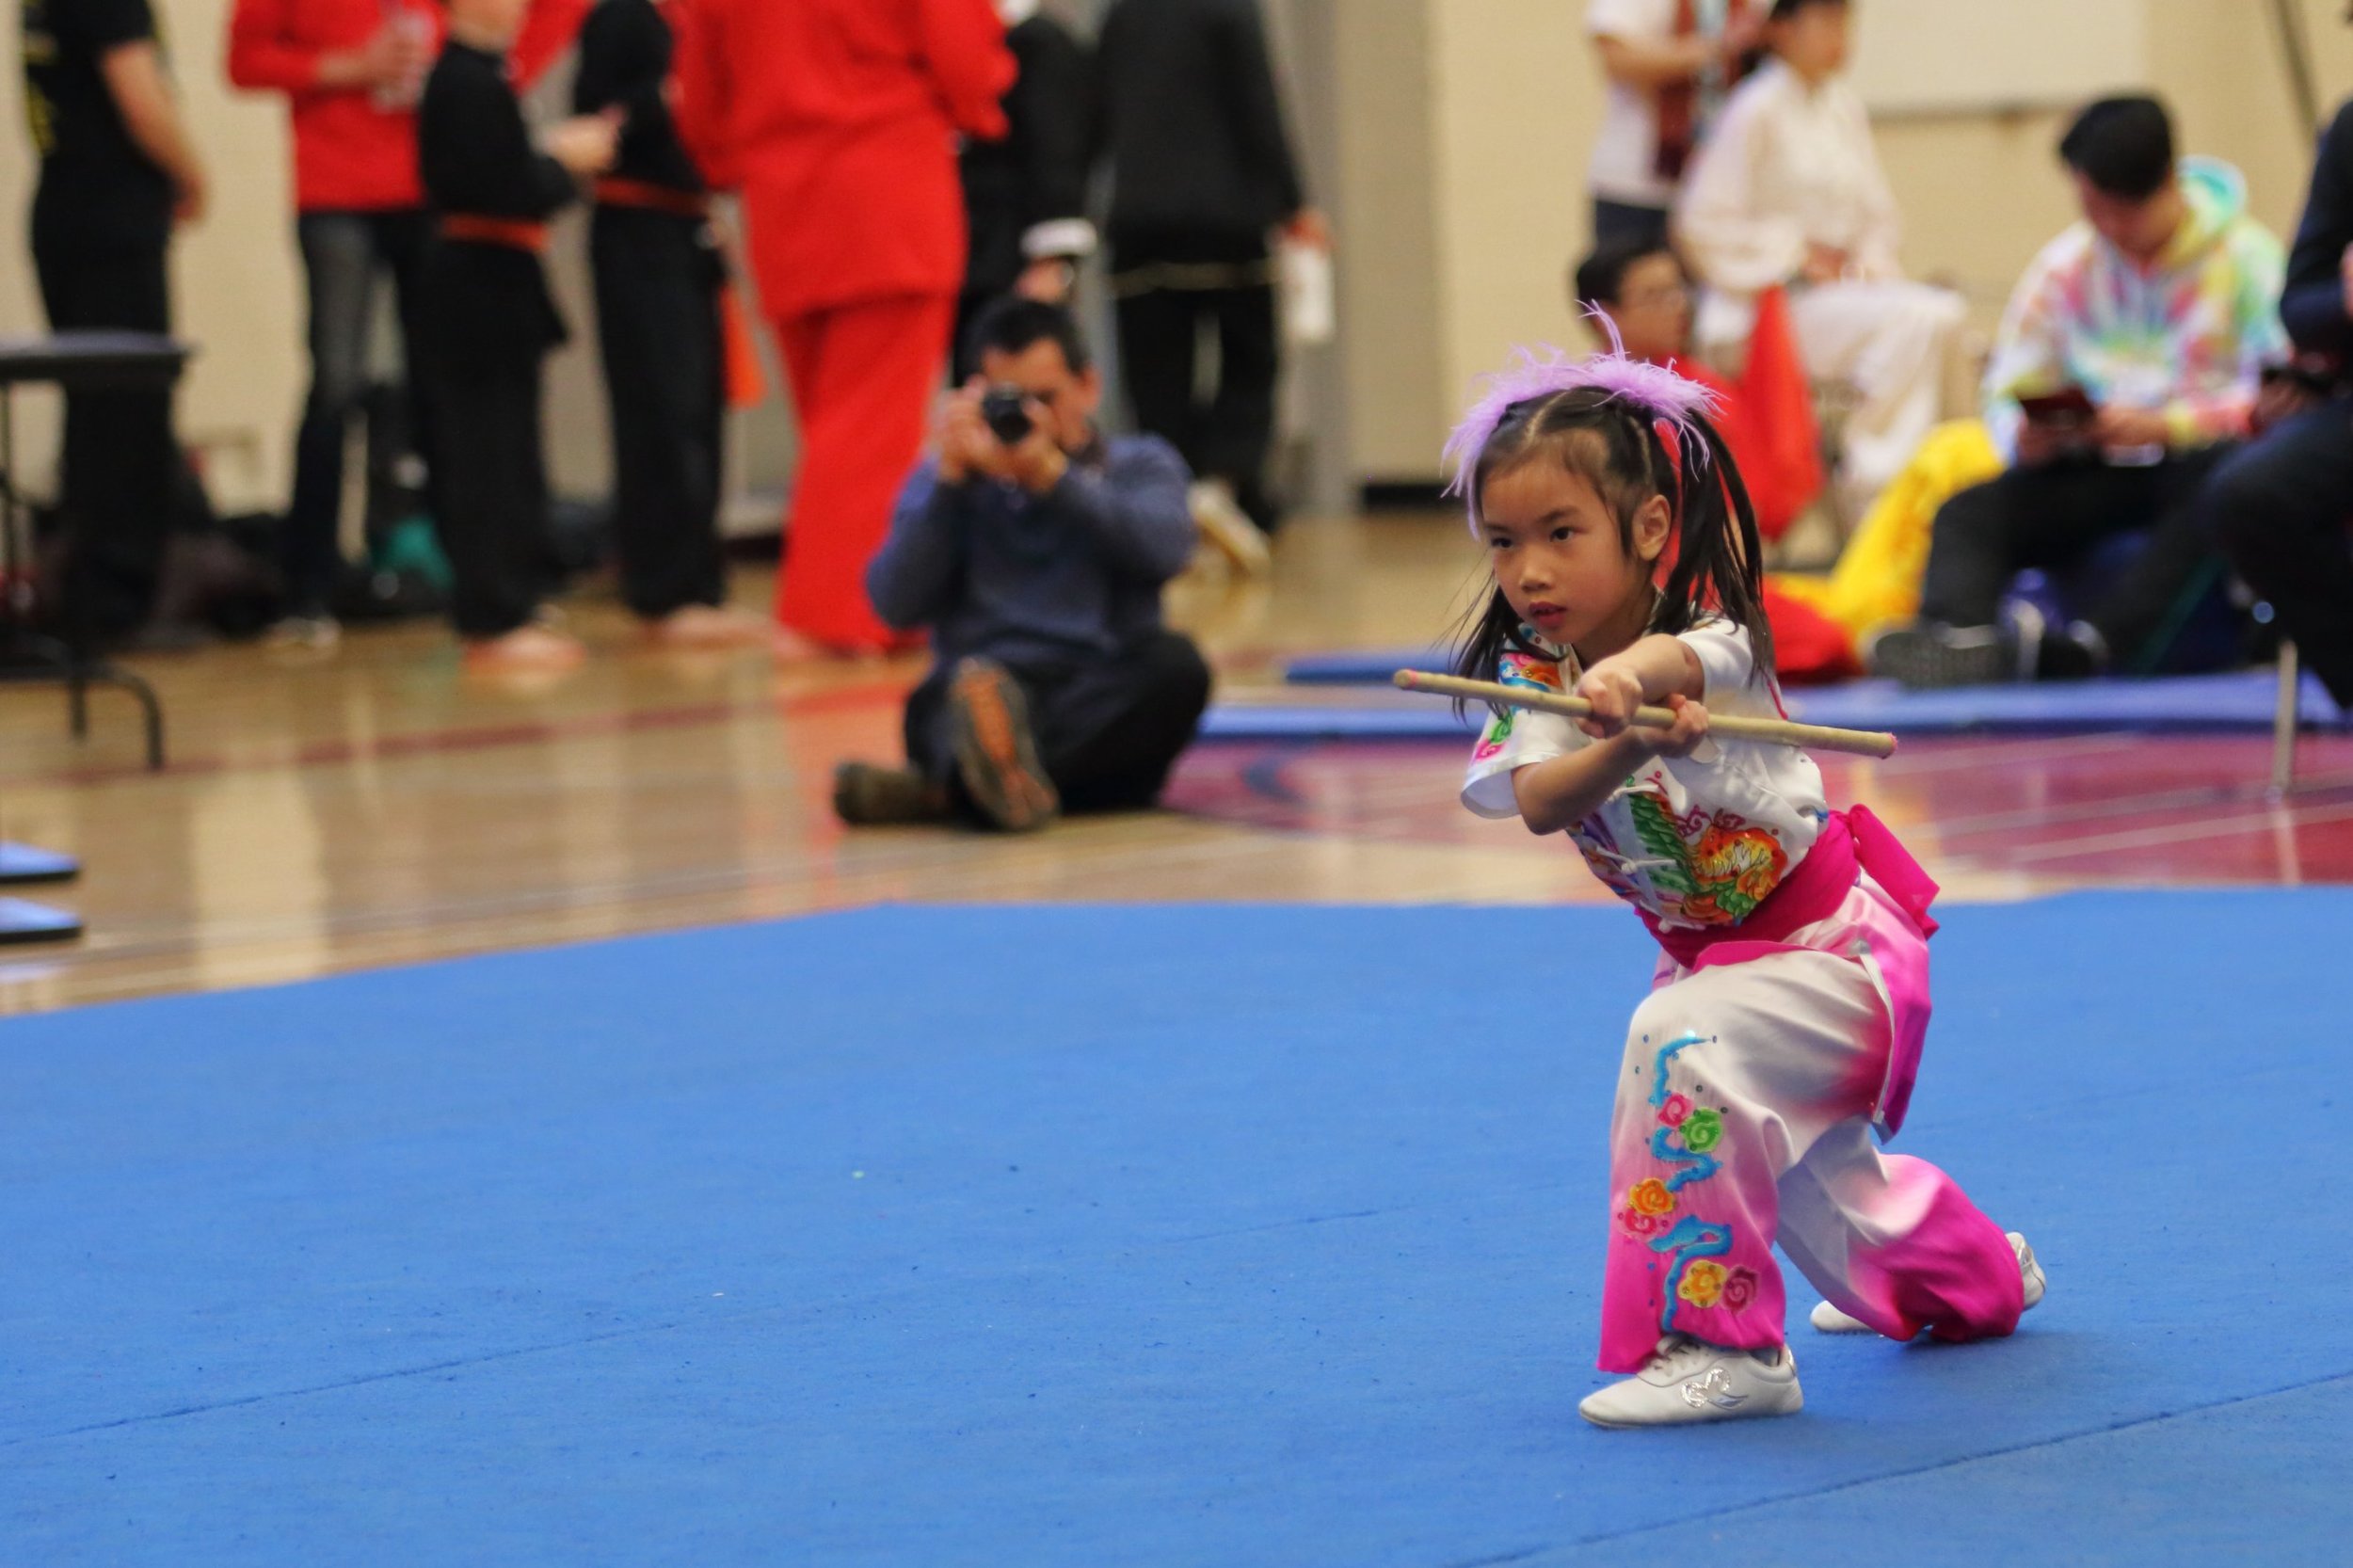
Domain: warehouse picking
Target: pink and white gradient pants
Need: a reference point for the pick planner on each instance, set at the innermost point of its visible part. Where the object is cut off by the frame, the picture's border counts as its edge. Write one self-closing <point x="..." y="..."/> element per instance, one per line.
<point x="1744" y="1118"/>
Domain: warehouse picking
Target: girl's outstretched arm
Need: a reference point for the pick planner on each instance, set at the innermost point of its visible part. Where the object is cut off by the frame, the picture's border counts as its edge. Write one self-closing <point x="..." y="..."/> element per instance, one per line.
<point x="1561" y="792"/>
<point x="1564" y="790"/>
<point x="1654" y="669"/>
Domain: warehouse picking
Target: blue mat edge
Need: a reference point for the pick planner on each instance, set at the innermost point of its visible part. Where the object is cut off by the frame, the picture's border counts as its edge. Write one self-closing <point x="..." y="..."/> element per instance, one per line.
<point x="16" y="1023"/>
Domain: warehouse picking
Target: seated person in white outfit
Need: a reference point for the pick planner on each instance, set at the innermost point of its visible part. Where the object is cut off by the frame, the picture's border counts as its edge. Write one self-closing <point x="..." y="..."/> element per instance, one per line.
<point x="1788" y="190"/>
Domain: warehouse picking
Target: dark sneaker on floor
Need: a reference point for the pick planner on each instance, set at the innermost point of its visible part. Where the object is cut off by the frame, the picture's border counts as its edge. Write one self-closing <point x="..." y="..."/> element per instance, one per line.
<point x="865" y="795"/>
<point x="996" y="753"/>
<point x="2074" y="652"/>
<point x="1927" y="657"/>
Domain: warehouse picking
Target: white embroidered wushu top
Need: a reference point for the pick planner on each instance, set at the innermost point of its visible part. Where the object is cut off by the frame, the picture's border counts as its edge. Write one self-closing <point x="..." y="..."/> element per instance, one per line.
<point x="1698" y="840"/>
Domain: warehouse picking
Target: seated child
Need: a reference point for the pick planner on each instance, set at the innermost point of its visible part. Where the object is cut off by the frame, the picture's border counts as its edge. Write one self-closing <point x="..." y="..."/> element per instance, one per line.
<point x="1034" y="549"/>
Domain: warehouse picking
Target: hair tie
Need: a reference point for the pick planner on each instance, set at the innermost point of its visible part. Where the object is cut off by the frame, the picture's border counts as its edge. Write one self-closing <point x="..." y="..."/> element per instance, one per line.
<point x="1643" y="387"/>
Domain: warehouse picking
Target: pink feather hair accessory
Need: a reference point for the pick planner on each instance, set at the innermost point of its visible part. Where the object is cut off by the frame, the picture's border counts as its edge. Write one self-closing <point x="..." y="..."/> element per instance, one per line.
<point x="1543" y="371"/>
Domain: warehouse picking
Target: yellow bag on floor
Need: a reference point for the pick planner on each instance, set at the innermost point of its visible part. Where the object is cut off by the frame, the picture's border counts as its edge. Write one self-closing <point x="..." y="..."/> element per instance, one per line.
<point x="1877" y="580"/>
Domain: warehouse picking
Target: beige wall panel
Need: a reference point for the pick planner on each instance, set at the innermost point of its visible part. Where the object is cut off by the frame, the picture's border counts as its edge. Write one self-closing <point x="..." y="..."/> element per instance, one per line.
<point x="1518" y="101"/>
<point x="1387" y="207"/>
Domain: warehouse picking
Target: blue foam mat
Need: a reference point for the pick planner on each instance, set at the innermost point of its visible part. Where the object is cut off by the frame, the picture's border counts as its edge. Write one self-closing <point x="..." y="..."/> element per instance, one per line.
<point x="2239" y="699"/>
<point x="1127" y="1234"/>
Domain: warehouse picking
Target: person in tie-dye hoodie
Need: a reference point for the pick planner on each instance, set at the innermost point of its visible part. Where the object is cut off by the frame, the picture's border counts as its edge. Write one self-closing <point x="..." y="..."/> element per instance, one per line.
<point x="2162" y="308"/>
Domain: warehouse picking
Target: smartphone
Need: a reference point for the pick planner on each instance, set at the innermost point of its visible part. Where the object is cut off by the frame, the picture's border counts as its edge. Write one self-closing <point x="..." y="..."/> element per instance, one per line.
<point x="2069" y="407"/>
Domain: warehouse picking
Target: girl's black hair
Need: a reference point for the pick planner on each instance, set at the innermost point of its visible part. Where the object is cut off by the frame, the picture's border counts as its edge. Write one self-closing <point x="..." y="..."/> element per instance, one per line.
<point x="1617" y="446"/>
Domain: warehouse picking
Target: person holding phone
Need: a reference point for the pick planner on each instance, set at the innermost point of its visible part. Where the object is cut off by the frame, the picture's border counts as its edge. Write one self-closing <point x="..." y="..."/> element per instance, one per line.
<point x="2128" y="366"/>
<point x="1033" y="550"/>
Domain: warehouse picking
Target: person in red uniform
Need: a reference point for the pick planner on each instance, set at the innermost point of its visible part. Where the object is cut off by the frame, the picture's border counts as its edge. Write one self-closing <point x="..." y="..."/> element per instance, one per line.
<point x="838" y="120"/>
<point x="352" y="71"/>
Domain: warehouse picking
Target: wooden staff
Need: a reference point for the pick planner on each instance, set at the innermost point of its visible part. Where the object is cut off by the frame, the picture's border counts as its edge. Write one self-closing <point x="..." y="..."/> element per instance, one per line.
<point x="1820" y="737"/>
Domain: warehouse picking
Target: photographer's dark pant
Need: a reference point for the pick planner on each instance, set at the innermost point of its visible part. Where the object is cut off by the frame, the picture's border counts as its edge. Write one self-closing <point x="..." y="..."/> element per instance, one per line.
<point x="1108" y="730"/>
<point x="2053" y="518"/>
<point x="1173" y="289"/>
<point x="658" y="325"/>
<point x="119" y="462"/>
<point x="2281" y="508"/>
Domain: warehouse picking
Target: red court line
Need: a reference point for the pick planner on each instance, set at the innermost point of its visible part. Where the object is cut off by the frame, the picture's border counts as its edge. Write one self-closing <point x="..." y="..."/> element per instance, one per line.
<point x="458" y="739"/>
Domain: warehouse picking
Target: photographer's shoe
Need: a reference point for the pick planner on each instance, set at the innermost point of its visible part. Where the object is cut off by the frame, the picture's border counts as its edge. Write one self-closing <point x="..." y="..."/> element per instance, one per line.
<point x="1687" y="1381"/>
<point x="865" y="794"/>
<point x="996" y="753"/>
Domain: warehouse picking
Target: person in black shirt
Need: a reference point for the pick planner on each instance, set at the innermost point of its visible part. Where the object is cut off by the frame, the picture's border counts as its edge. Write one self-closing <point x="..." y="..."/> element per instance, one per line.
<point x="117" y="171"/>
<point x="2281" y="506"/>
<point x="659" y="277"/>
<point x="1025" y="198"/>
<point x="489" y="325"/>
<point x="1201" y="173"/>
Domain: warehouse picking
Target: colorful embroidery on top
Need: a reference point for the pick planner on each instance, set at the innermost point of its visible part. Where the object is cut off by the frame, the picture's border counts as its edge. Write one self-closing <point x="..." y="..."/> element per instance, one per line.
<point x="1707" y="870"/>
<point x="1499" y="731"/>
<point x="1528" y="671"/>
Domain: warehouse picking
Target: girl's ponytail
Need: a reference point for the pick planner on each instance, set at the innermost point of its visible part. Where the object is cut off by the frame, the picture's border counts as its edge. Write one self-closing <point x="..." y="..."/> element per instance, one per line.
<point x="1719" y="565"/>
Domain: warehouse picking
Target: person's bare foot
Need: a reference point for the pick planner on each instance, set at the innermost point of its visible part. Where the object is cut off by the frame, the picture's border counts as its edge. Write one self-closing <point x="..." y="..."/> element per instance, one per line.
<point x="706" y="626"/>
<point x="792" y="647"/>
<point x="526" y="650"/>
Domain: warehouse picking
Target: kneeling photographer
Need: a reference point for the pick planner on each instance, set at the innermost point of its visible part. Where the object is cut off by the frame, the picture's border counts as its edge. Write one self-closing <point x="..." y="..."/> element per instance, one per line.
<point x="1034" y="549"/>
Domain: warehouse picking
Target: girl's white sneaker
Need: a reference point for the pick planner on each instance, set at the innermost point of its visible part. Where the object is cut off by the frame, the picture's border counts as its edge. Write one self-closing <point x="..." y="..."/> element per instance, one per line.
<point x="1687" y="1381"/>
<point x="1829" y="1319"/>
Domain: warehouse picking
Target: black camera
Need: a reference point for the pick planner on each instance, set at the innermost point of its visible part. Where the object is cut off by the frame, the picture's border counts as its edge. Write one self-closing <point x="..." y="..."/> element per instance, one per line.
<point x="1005" y="412"/>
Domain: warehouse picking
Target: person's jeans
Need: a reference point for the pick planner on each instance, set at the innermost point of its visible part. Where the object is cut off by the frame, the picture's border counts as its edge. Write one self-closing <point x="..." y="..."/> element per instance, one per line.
<point x="344" y="254"/>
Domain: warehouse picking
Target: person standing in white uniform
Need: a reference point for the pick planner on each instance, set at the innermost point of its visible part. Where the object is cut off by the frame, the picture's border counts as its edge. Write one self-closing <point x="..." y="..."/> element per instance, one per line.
<point x="1669" y="64"/>
<point x="1788" y="191"/>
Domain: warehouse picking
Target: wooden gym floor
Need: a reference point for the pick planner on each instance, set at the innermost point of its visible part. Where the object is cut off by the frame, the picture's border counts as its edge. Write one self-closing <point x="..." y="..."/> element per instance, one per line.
<point x="376" y="805"/>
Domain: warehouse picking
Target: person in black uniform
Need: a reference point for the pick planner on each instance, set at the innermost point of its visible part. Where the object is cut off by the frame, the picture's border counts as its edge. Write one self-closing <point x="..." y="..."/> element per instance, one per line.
<point x="1202" y="173"/>
<point x="659" y="277"/>
<point x="490" y="324"/>
<point x="117" y="170"/>
<point x="1025" y="198"/>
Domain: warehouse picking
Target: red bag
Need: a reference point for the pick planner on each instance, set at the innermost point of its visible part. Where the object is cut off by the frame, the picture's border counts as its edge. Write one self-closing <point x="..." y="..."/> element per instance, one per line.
<point x="1809" y="647"/>
<point x="1770" y="423"/>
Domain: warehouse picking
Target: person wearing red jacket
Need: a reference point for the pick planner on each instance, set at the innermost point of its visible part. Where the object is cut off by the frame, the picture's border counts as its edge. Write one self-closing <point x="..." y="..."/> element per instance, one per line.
<point x="352" y="71"/>
<point x="838" y="118"/>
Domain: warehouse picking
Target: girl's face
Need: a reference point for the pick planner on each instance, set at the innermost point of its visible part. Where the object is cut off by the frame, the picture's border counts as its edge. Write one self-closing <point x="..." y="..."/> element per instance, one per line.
<point x="1556" y="554"/>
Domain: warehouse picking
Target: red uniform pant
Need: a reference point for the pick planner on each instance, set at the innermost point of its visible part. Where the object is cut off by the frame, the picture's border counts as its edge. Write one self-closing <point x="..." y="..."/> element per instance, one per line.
<point x="863" y="378"/>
